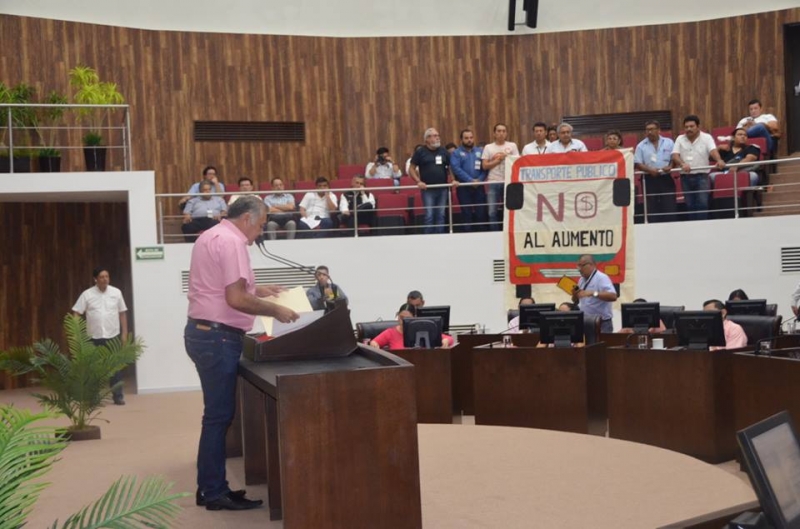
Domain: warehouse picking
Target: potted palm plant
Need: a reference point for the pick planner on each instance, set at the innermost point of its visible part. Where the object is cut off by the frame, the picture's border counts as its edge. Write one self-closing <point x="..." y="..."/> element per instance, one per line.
<point x="78" y="382"/>
<point x="49" y="118"/>
<point x="91" y="91"/>
<point x="28" y="451"/>
<point x="23" y="122"/>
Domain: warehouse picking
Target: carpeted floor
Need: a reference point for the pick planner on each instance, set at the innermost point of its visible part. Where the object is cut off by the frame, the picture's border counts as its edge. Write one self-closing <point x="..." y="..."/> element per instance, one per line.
<point x="471" y="476"/>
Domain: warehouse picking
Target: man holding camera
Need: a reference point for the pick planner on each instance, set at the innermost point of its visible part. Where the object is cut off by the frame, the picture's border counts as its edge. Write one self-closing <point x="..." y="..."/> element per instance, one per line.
<point x="383" y="166"/>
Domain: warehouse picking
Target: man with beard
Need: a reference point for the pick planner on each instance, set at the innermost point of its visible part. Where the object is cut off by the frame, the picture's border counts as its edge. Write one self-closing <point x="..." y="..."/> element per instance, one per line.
<point x="466" y="165"/>
<point x="430" y="165"/>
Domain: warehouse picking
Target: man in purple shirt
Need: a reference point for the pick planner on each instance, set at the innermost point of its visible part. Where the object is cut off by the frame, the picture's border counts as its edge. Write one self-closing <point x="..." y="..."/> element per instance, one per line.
<point x="223" y="303"/>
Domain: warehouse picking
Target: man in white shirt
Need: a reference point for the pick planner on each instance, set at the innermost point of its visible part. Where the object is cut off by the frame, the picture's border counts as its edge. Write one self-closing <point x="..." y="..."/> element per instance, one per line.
<point x="565" y="142"/>
<point x="539" y="143"/>
<point x="493" y="160"/>
<point x="691" y="153"/>
<point x="383" y="166"/>
<point x="760" y="125"/>
<point x="245" y="186"/>
<point x="316" y="208"/>
<point x="106" y="318"/>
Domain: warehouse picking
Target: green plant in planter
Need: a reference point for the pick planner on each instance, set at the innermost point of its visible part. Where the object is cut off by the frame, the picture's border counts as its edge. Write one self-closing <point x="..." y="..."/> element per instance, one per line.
<point x="27" y="452"/>
<point x="50" y="117"/>
<point x="91" y="91"/>
<point x="78" y="382"/>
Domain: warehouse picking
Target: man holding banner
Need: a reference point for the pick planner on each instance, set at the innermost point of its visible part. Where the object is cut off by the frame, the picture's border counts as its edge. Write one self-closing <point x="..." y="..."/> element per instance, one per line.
<point x="595" y="293"/>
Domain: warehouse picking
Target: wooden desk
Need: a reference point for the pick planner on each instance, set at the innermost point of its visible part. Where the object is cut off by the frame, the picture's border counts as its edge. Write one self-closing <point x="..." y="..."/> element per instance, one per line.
<point x="596" y="376"/>
<point x="678" y="400"/>
<point x="461" y="362"/>
<point x="432" y="375"/>
<point x="765" y="385"/>
<point x="532" y="387"/>
<point x="335" y="439"/>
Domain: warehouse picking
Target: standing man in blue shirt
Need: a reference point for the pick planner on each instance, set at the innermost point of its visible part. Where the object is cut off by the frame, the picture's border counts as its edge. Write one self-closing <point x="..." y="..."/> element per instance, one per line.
<point x="595" y="293"/>
<point x="465" y="163"/>
<point x="653" y="156"/>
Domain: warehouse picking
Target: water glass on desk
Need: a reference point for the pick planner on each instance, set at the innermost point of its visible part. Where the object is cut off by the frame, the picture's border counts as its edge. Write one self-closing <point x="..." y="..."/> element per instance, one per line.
<point x="643" y="341"/>
<point x="507" y="340"/>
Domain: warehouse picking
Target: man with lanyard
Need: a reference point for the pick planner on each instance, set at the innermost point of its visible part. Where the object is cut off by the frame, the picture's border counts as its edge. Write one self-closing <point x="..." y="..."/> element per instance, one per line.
<point x="223" y="303"/>
<point x="430" y="165"/>
<point x="539" y="144"/>
<point x="465" y="162"/>
<point x="595" y="292"/>
<point x="653" y="157"/>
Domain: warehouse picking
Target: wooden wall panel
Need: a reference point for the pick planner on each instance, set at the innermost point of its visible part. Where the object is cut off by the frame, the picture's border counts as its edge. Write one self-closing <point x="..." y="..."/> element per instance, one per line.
<point x="48" y="254"/>
<point x="356" y="94"/>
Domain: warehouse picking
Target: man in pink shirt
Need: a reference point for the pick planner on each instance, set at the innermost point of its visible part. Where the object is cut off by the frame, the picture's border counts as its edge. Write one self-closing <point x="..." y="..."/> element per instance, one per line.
<point x="223" y="303"/>
<point x="735" y="336"/>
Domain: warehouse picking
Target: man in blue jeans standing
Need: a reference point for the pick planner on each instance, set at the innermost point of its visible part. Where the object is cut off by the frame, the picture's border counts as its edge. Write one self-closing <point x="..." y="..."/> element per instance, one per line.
<point x="430" y="165"/>
<point x="465" y="162"/>
<point x="223" y="303"/>
<point x="691" y="154"/>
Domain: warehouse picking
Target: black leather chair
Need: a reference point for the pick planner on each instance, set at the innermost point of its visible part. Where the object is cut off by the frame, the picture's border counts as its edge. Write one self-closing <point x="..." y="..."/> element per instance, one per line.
<point x="512" y="313"/>
<point x="591" y="328"/>
<point x="772" y="309"/>
<point x="668" y="314"/>
<point x="758" y="327"/>
<point x="370" y="329"/>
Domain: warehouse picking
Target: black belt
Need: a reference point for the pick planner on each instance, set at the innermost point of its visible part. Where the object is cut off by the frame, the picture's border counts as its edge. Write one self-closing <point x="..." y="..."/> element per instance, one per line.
<point x="217" y="326"/>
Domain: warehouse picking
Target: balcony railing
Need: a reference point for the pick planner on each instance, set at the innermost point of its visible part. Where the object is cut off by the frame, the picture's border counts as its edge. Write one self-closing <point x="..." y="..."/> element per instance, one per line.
<point x="28" y="130"/>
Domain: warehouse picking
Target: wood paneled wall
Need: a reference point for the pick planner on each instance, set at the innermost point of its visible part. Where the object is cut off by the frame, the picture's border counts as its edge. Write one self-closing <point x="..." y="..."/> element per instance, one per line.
<point x="47" y="257"/>
<point x="356" y="94"/>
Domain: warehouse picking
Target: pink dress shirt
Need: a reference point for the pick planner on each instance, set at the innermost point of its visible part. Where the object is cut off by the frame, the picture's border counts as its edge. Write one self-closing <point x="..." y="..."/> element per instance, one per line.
<point x="220" y="258"/>
<point x="735" y="336"/>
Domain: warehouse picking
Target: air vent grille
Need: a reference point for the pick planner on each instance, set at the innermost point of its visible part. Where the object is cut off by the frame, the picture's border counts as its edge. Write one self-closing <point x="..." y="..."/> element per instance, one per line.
<point x="499" y="270"/>
<point x="249" y="131"/>
<point x="288" y="277"/>
<point x="790" y="259"/>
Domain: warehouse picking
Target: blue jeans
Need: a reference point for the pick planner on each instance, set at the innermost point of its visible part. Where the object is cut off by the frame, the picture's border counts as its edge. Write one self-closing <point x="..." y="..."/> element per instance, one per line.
<point x="696" y="203"/>
<point x="215" y="354"/>
<point x="116" y="378"/>
<point x="472" y="200"/>
<point x="435" y="202"/>
<point x="761" y="131"/>
<point x="494" y="196"/>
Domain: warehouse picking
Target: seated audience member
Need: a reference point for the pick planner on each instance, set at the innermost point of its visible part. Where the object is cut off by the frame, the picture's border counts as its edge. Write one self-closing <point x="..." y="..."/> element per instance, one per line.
<point x="210" y="174"/>
<point x="513" y="325"/>
<point x="613" y="140"/>
<point x="760" y="125"/>
<point x="735" y="336"/>
<point x="738" y="295"/>
<point x="245" y="186"/>
<point x="565" y="141"/>
<point x="362" y="200"/>
<point x="325" y="292"/>
<point x="552" y="134"/>
<point x="392" y="338"/>
<point x="653" y="157"/>
<point x="739" y="152"/>
<point x="408" y="162"/>
<point x="567" y="306"/>
<point x="383" y="166"/>
<point x="202" y="212"/>
<point x="651" y="330"/>
<point x="316" y="208"/>
<point x="539" y="143"/>
<point x="415" y="299"/>
<point x="281" y="213"/>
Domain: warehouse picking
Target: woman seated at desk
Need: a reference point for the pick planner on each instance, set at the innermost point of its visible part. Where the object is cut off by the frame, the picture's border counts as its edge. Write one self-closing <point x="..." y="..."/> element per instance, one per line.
<point x="392" y="338"/>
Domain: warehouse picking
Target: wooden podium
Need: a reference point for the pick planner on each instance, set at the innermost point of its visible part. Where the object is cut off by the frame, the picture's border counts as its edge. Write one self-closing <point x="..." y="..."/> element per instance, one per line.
<point x="334" y="436"/>
<point x="681" y="400"/>
<point x="532" y="387"/>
